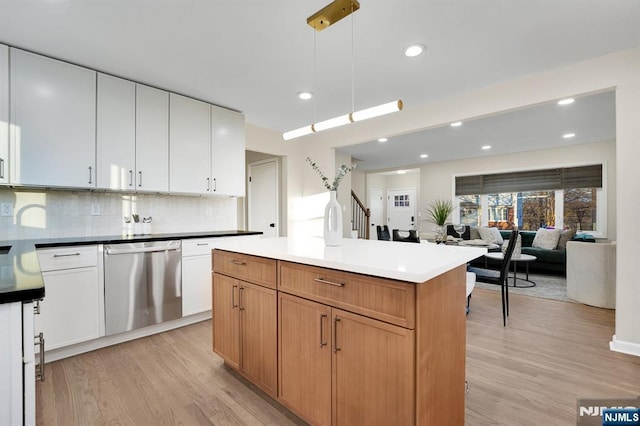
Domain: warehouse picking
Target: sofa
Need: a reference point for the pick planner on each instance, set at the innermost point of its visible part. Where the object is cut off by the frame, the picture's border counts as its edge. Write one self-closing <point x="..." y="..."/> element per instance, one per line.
<point x="547" y="261"/>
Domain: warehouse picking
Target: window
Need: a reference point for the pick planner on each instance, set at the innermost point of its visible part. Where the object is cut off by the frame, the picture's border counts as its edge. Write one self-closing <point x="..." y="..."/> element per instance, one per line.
<point x="561" y="202"/>
<point x="401" y="200"/>
<point x="580" y="209"/>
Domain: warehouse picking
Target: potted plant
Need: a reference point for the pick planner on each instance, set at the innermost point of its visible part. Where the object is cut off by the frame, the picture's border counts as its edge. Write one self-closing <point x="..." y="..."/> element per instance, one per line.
<point x="438" y="212"/>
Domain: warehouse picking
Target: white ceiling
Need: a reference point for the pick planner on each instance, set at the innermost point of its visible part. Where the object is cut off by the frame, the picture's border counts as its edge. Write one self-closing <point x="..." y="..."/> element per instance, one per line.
<point x="255" y="55"/>
<point x="591" y="118"/>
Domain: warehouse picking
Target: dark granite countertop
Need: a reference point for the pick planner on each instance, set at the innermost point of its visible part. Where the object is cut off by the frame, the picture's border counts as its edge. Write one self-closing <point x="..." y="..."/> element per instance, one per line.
<point x="20" y="276"/>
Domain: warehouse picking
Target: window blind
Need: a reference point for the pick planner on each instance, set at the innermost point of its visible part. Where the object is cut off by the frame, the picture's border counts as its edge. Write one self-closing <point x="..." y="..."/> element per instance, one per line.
<point x="531" y="180"/>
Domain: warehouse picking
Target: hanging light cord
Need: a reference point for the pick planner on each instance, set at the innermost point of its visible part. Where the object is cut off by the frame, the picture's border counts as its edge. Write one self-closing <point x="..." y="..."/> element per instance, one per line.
<point x="353" y="61"/>
<point x="315" y="80"/>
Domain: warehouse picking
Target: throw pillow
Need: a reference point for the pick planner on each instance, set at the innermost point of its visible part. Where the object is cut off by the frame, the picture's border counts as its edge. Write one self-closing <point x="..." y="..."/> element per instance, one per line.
<point x="546" y="238"/>
<point x="491" y="235"/>
<point x="564" y="237"/>
<point x="517" y="250"/>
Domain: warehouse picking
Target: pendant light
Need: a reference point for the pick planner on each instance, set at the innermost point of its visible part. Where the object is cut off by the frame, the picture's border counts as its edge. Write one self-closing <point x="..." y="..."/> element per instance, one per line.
<point x="320" y="20"/>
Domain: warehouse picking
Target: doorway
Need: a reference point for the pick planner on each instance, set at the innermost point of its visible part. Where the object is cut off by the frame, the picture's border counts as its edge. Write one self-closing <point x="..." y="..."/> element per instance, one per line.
<point x="376" y="207"/>
<point x="263" y="198"/>
<point x="401" y="208"/>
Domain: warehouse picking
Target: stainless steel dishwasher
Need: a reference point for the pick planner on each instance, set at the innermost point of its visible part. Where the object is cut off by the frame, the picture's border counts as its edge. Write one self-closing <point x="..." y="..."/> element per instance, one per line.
<point x="142" y="284"/>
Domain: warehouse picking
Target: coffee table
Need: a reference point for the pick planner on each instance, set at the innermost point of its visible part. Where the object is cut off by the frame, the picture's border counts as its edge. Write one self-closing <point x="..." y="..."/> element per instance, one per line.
<point x="525" y="258"/>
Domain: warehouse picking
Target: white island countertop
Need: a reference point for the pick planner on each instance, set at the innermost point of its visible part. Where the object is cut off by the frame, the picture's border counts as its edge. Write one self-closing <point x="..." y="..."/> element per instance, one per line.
<point x="402" y="261"/>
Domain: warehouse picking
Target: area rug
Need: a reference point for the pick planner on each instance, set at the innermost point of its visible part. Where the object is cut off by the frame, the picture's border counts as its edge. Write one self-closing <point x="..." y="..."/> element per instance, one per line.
<point x="547" y="287"/>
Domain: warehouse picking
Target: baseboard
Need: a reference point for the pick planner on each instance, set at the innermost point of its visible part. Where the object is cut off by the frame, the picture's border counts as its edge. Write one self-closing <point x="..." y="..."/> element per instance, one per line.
<point x="624" y="347"/>
<point x="102" y="342"/>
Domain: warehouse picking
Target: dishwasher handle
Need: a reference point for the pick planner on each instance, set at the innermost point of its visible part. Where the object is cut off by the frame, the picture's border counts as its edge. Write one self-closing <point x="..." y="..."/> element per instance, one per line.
<point x="140" y="250"/>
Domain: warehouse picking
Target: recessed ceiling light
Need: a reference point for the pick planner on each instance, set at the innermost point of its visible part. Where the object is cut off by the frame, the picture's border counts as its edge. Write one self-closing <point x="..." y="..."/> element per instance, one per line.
<point x="485" y="147"/>
<point x="305" y="96"/>
<point x="402" y="172"/>
<point x="568" y="135"/>
<point x="414" y="50"/>
<point x="566" y="101"/>
<point x="382" y="139"/>
<point x="456" y="124"/>
<point x="424" y="155"/>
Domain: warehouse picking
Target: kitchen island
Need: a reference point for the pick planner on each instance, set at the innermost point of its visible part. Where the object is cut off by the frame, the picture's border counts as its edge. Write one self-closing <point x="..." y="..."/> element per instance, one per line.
<point x="371" y="332"/>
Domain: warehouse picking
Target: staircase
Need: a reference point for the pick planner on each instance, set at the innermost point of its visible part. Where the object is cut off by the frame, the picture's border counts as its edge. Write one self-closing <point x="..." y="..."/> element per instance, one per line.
<point x="360" y="217"/>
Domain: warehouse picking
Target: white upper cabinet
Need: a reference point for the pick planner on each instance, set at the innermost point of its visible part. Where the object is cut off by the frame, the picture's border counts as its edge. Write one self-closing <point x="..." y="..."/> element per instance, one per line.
<point x="152" y="139"/>
<point x="133" y="136"/>
<point x="4" y="114"/>
<point x="227" y="152"/>
<point x="53" y="122"/>
<point x="116" y="136"/>
<point x="189" y="146"/>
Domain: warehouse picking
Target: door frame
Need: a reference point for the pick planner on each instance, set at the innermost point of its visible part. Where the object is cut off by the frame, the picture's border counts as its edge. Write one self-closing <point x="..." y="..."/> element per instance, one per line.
<point x="275" y="160"/>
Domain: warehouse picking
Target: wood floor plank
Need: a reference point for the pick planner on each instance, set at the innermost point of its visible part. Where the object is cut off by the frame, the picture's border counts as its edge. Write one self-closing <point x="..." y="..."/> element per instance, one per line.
<point x="529" y="373"/>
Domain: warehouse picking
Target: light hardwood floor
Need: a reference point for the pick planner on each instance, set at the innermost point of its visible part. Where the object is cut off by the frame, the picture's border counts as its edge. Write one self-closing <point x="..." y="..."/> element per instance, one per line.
<point x="529" y="373"/>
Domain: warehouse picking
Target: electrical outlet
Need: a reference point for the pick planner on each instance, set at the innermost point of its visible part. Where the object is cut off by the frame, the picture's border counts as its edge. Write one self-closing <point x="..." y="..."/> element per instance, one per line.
<point x="95" y="209"/>
<point x="6" y="209"/>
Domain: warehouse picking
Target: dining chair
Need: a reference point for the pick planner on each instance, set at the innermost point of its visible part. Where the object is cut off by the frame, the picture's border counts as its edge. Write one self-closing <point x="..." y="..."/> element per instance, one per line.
<point x="383" y="232"/>
<point x="500" y="277"/>
<point x="411" y="236"/>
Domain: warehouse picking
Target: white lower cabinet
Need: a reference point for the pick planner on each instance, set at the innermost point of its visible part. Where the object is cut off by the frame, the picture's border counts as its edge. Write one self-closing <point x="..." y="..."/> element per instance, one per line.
<point x="196" y="273"/>
<point x="73" y="308"/>
<point x="17" y="364"/>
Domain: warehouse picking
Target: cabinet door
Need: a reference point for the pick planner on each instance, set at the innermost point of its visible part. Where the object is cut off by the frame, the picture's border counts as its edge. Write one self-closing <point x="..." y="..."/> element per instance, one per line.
<point x="226" y="319"/>
<point x="259" y="335"/>
<point x="305" y="358"/>
<point x="116" y="138"/>
<point x="196" y="284"/>
<point x="373" y="372"/>
<point x="189" y="146"/>
<point x="152" y="139"/>
<point x="53" y="122"/>
<point x="63" y="326"/>
<point x="227" y="152"/>
<point x="4" y="114"/>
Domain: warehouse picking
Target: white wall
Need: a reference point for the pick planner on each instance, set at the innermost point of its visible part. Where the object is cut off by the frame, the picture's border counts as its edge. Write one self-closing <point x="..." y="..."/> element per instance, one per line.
<point x="52" y="214"/>
<point x="620" y="70"/>
<point x="438" y="179"/>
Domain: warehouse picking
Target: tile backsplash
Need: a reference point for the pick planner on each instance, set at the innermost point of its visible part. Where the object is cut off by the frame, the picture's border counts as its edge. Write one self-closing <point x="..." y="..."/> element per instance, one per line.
<point x="52" y="214"/>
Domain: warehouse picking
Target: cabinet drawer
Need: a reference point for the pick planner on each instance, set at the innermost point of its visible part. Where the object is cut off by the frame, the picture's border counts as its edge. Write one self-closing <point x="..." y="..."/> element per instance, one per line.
<point x="386" y="300"/>
<point x="67" y="258"/>
<point x="199" y="246"/>
<point x="258" y="270"/>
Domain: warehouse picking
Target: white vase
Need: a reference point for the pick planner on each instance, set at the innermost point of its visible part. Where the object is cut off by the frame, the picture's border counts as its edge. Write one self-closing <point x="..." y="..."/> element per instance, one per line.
<point x="333" y="221"/>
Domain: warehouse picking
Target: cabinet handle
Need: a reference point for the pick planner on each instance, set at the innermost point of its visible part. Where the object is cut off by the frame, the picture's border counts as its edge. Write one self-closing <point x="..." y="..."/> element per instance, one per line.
<point x="130" y="177"/>
<point x="323" y="281"/>
<point x="40" y="367"/>
<point x="66" y="255"/>
<point x="233" y="297"/>
<point x="202" y="244"/>
<point x="215" y="185"/>
<point x="36" y="308"/>
<point x="336" y="320"/>
<point x="208" y="184"/>
<point x="237" y="262"/>
<point x="1" y="168"/>
<point x="240" y="298"/>
<point x="139" y="179"/>
<point x="322" y="341"/>
<point x="90" y="174"/>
